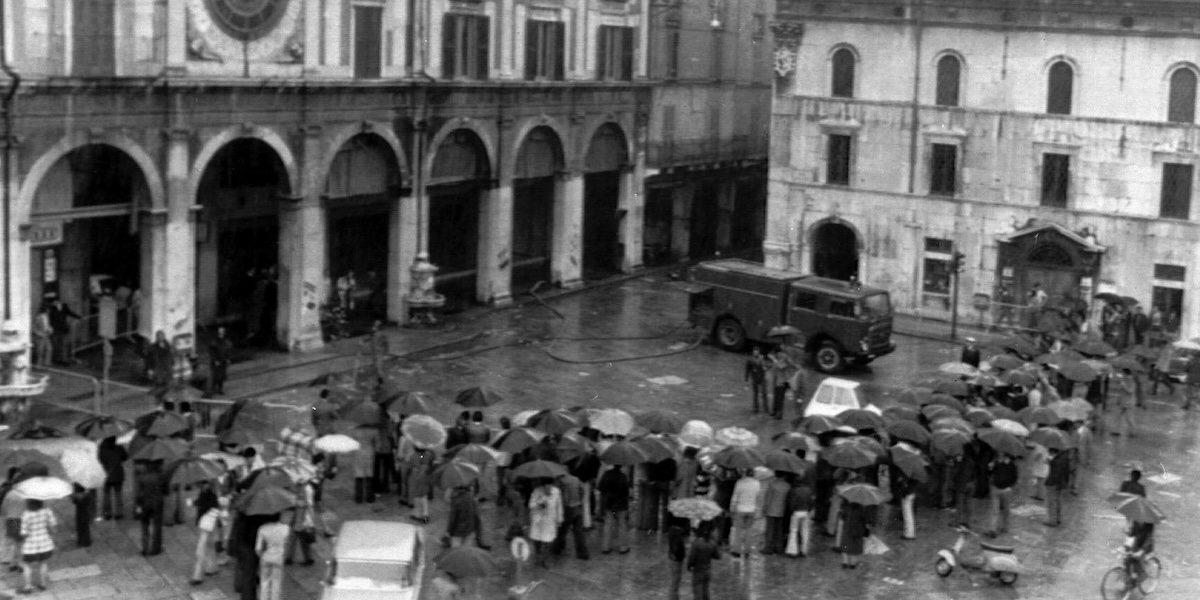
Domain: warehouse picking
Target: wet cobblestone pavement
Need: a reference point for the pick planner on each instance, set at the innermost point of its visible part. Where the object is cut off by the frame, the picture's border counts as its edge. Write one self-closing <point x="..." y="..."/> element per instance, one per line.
<point x="537" y="360"/>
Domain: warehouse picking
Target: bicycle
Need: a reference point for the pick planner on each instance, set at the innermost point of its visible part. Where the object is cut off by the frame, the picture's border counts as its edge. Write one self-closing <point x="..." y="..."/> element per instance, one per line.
<point x="1120" y="581"/>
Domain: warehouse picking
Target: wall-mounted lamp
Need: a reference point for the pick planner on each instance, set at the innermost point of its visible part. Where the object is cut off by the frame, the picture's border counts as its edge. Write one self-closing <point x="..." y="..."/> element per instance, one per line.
<point x="715" y="5"/>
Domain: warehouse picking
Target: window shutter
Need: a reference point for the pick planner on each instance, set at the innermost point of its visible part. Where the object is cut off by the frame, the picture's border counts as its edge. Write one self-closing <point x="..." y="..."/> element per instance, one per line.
<point x="601" y="52"/>
<point x="532" y="35"/>
<point x="627" y="54"/>
<point x="449" y="43"/>
<point x="560" y="44"/>
<point x="481" y="56"/>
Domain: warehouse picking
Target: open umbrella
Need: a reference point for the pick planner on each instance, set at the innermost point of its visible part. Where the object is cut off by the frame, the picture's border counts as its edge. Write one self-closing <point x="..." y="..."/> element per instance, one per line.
<point x="1018" y="344"/>
<point x="910" y="463"/>
<point x="849" y="456"/>
<point x="155" y="449"/>
<point x="466" y="561"/>
<point x="18" y="458"/>
<point x="779" y="331"/>
<point x="901" y="412"/>
<point x="516" y="440"/>
<point x="697" y="433"/>
<point x="365" y="413"/>
<point x="456" y="474"/>
<point x="739" y="457"/>
<point x="407" y="403"/>
<point x="1108" y="298"/>
<point x="778" y="460"/>
<point x="1145" y="352"/>
<point x="624" y="452"/>
<point x="476" y="454"/>
<point x="1070" y="411"/>
<point x="102" y="426"/>
<point x="1094" y="347"/>
<point x="1010" y="426"/>
<point x="1002" y="412"/>
<point x="659" y="421"/>
<point x="950" y="441"/>
<point x="1050" y="438"/>
<point x="539" y="469"/>
<point x="554" y="422"/>
<point x="818" y="424"/>
<point x="953" y="388"/>
<point x="701" y="509"/>
<point x="956" y="423"/>
<point x="862" y="493"/>
<point x="1128" y="362"/>
<point x="860" y="419"/>
<point x="736" y="436"/>
<point x="1038" y="415"/>
<point x="910" y="431"/>
<point x="960" y="369"/>
<point x="1077" y="371"/>
<point x="947" y="400"/>
<point x="299" y="470"/>
<point x="1002" y="441"/>
<point x="192" y="469"/>
<point x="178" y="393"/>
<point x="266" y="500"/>
<point x="572" y="445"/>
<point x="240" y="437"/>
<point x="1005" y="362"/>
<point x="611" y="421"/>
<point x="1141" y="510"/>
<point x="796" y="441"/>
<point x="1019" y="378"/>
<point x="424" y="431"/>
<point x="916" y="396"/>
<point x="656" y="448"/>
<point x="478" y="397"/>
<point x="161" y="423"/>
<point x="987" y="381"/>
<point x="336" y="443"/>
<point x="934" y="412"/>
<point x="43" y="488"/>
<point x="978" y="417"/>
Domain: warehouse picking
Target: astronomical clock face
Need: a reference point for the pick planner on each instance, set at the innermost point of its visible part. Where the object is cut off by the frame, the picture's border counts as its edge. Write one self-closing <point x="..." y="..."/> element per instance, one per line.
<point x="228" y="30"/>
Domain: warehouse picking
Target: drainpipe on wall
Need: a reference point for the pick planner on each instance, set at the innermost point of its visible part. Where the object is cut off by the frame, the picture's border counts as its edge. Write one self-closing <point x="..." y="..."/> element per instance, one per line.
<point x="9" y="101"/>
<point x="914" y="139"/>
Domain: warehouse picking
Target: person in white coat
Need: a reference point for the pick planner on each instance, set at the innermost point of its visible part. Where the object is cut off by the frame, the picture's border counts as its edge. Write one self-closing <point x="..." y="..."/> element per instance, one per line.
<point x="545" y="515"/>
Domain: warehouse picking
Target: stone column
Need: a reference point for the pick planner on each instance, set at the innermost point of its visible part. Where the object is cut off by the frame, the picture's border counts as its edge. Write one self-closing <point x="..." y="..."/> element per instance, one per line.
<point x="302" y="249"/>
<point x="402" y="251"/>
<point x="168" y="249"/>
<point x="566" y="231"/>
<point x="784" y="220"/>
<point x="494" y="270"/>
<point x="632" y="205"/>
<point x="681" y="220"/>
<point x="23" y="306"/>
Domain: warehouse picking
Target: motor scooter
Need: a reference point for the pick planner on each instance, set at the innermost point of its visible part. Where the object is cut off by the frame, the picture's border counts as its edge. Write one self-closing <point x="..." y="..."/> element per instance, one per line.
<point x="995" y="559"/>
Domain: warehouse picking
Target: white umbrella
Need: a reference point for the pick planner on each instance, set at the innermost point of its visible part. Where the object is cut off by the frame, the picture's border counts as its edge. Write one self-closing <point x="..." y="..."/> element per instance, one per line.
<point x="521" y="419"/>
<point x="424" y="431"/>
<point x="43" y="488"/>
<point x="696" y="433"/>
<point x="83" y="468"/>
<point x="1011" y="426"/>
<point x="337" y="443"/>
<point x="736" y="436"/>
<point x="611" y="421"/>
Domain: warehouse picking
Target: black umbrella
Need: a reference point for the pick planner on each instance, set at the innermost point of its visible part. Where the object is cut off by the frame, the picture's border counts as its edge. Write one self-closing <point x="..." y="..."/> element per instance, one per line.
<point x="102" y="426"/>
<point x="478" y="397"/>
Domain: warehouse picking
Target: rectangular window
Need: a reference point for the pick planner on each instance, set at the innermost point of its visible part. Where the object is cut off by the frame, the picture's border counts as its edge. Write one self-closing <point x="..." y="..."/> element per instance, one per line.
<point x="544" y="42"/>
<point x="368" y="41"/>
<point x="806" y="300"/>
<point x="1169" y="302"/>
<point x="1056" y="179"/>
<point x="614" y="53"/>
<point x="760" y="27"/>
<point x="465" y="47"/>
<point x="1176" y="199"/>
<point x="936" y="281"/>
<point x="837" y="168"/>
<point x="943" y="169"/>
<point x="95" y="44"/>
<point x="1170" y="272"/>
<point x="672" y="54"/>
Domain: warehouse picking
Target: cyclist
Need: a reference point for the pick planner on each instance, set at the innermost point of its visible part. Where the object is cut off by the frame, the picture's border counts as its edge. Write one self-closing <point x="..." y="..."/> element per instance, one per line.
<point x="1139" y="545"/>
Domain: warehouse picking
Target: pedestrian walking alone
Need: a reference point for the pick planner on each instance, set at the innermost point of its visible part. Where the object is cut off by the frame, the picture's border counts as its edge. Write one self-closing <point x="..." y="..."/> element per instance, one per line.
<point x="220" y="353"/>
<point x="37" y="544"/>
<point x="112" y="457"/>
<point x="699" y="562"/>
<point x="756" y="375"/>
<point x="1126" y="405"/>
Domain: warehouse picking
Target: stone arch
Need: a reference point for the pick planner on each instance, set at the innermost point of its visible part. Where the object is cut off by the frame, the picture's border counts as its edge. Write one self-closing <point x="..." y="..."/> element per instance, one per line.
<point x="525" y="136"/>
<point x="79" y="139"/>
<point x="859" y="242"/>
<point x="551" y="123"/>
<point x="935" y="67"/>
<point x="487" y="145"/>
<point x="347" y="132"/>
<point x="831" y="254"/>
<point x="263" y="134"/>
<point x="591" y="135"/>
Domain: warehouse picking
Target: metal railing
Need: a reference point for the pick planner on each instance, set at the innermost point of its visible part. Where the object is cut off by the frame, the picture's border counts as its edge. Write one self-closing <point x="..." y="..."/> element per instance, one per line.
<point x="98" y="388"/>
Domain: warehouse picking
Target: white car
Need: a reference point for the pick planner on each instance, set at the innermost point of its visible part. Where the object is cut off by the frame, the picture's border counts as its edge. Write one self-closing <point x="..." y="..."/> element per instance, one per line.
<point x="835" y="396"/>
<point x="376" y="560"/>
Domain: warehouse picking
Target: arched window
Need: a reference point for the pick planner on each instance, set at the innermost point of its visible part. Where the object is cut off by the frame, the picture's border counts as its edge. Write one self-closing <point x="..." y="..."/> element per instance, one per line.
<point x="1061" y="86"/>
<point x="949" y="69"/>
<point x="1182" y="104"/>
<point x="843" y="73"/>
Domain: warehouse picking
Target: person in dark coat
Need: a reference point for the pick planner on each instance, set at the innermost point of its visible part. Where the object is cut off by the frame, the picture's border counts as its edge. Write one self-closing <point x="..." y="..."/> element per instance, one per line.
<point x="614" y="491"/>
<point x="981" y="455"/>
<point x="962" y="473"/>
<point x="61" y="316"/>
<point x="220" y="352"/>
<point x="660" y="476"/>
<point x="854" y="533"/>
<point x="112" y="457"/>
<point x="1056" y="482"/>
<point x="1133" y="485"/>
<point x="151" y="490"/>
<point x="457" y="435"/>
<point x="676" y="553"/>
<point x="970" y="353"/>
<point x="699" y="563"/>
<point x="726" y="480"/>
<point x="1140" y="323"/>
<point x="161" y="360"/>
<point x="85" y="510"/>
<point x="463" y="520"/>
<point x="756" y="375"/>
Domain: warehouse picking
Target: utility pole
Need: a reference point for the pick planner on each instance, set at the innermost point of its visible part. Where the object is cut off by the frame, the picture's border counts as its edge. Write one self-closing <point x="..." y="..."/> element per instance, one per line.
<point x="956" y="265"/>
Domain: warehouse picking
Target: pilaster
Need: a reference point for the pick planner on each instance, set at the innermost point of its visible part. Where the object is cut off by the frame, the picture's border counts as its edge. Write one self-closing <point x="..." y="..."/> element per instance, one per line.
<point x="168" y="250"/>
<point x="494" y="274"/>
<point x="402" y="251"/>
<point x="302" y="249"/>
<point x="566" y="231"/>
<point x="632" y="205"/>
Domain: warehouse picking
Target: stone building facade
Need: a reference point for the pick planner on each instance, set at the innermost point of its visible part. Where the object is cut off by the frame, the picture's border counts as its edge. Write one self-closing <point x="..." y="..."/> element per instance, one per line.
<point x="1051" y="143"/>
<point x="233" y="161"/>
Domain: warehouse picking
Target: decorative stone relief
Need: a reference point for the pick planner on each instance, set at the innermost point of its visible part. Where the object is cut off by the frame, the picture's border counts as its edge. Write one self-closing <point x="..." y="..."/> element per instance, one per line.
<point x="787" y="46"/>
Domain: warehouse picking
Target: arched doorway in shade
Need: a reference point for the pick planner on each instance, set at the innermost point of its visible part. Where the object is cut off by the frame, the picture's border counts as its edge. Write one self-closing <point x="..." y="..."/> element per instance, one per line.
<point x="835" y="251"/>
<point x="459" y="176"/>
<point x="237" y="256"/>
<point x="88" y="244"/>
<point x="361" y="189"/>
<point x="534" y="191"/>
<point x="607" y="154"/>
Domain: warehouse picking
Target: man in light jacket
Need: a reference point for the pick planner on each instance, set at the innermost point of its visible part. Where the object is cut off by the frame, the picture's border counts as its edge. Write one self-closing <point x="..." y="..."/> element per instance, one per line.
<point x="744" y="507"/>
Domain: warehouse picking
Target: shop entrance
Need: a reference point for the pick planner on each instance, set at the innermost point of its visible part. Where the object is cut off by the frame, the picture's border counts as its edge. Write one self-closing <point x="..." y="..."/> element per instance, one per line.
<point x="237" y="243"/>
<point x="363" y="184"/>
<point x="458" y="178"/>
<point x="534" y="192"/>
<point x="706" y="215"/>
<point x="86" y="248"/>
<point x="835" y="252"/>
<point x="602" y="248"/>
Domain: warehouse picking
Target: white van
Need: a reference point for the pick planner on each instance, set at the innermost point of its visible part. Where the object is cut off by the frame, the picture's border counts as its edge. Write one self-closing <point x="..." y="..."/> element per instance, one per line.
<point x="376" y="560"/>
<point x="834" y="396"/>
